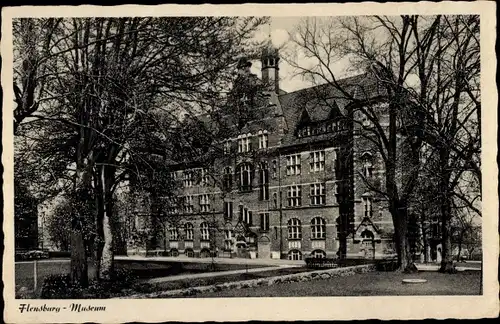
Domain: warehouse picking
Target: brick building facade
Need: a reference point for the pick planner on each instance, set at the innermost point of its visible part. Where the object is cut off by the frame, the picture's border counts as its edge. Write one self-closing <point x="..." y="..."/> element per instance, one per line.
<point x="292" y="179"/>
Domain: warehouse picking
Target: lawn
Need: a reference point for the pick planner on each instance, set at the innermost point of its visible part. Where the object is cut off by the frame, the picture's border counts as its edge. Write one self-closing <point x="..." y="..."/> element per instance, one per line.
<point x="140" y="269"/>
<point x="180" y="284"/>
<point x="366" y="284"/>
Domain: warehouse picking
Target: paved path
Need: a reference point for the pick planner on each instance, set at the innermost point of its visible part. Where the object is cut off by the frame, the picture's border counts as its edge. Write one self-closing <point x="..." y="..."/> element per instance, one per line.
<point x="435" y="267"/>
<point x="215" y="274"/>
<point x="268" y="262"/>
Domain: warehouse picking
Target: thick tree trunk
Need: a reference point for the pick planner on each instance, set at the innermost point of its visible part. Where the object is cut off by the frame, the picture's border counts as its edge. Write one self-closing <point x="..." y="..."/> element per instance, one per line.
<point x="447" y="265"/>
<point x="79" y="267"/>
<point x="400" y="220"/>
<point x="106" y="257"/>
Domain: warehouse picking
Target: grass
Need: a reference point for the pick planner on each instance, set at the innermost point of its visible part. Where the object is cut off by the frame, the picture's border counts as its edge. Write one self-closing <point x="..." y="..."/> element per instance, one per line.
<point x="140" y="269"/>
<point x="366" y="284"/>
<point x="197" y="282"/>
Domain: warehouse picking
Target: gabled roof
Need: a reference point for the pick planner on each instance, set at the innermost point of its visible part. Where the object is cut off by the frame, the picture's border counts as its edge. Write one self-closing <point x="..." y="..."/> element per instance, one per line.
<point x="326" y="101"/>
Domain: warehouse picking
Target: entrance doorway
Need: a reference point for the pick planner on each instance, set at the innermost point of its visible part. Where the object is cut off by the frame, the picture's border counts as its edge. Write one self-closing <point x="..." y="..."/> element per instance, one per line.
<point x="264" y="248"/>
<point x="368" y="244"/>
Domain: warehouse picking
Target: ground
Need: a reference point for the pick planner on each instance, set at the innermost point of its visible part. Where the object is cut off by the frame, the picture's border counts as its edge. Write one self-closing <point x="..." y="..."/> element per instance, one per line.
<point x="367" y="284"/>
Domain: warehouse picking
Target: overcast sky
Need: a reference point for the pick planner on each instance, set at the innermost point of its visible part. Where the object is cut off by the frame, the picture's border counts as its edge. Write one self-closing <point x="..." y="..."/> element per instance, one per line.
<point x="280" y="29"/>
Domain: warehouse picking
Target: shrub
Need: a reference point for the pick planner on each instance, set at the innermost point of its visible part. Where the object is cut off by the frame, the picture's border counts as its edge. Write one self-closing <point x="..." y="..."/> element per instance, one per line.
<point x="59" y="287"/>
<point x="320" y="263"/>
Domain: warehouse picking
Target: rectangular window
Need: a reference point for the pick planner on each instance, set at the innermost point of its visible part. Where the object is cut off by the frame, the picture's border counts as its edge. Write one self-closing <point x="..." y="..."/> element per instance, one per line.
<point x="317" y="161"/>
<point x="294" y="196"/>
<point x="367" y="206"/>
<point x="205" y="177"/>
<point x="245" y="177"/>
<point x="204" y="203"/>
<point x="240" y="213"/>
<point x="264" y="184"/>
<point x="228" y="240"/>
<point x="247" y="217"/>
<point x="293" y="165"/>
<point x="317" y="194"/>
<point x="188" y="204"/>
<point x="244" y="144"/>
<point x="228" y="210"/>
<point x="264" y="221"/>
<point x="263" y="141"/>
<point x="188" y="179"/>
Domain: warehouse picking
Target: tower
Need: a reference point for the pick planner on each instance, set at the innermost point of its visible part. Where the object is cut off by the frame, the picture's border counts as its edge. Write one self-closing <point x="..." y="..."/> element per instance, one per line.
<point x="270" y="67"/>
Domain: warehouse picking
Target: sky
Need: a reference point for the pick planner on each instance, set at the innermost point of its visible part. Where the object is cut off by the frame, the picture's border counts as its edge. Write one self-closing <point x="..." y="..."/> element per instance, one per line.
<point x="280" y="29"/>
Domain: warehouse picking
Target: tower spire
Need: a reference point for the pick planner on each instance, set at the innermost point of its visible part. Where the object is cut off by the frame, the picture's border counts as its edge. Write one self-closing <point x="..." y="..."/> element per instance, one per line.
<point x="269" y="29"/>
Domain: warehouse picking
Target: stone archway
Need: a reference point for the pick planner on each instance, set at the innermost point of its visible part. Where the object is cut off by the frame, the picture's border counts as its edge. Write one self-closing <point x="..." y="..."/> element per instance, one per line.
<point x="368" y="244"/>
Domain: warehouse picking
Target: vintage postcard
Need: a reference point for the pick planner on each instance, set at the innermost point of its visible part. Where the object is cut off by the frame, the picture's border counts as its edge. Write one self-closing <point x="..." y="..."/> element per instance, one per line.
<point x="250" y="162"/>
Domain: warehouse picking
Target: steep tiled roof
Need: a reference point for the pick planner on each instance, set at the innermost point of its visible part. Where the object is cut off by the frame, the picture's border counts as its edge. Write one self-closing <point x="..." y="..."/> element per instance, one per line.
<point x="325" y="101"/>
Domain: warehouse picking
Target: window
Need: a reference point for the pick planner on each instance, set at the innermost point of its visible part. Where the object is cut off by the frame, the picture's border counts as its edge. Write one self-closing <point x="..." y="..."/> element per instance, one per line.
<point x="204" y="203"/>
<point x="263" y="140"/>
<point x="228" y="210"/>
<point x="275" y="200"/>
<point x="172" y="204"/>
<point x="367" y="206"/>
<point x="275" y="169"/>
<point x="205" y="177"/>
<point x="189" y="231"/>
<point x="188" y="204"/>
<point x="263" y="182"/>
<point x="294" y="196"/>
<point x="294" y="229"/>
<point x="318" y="228"/>
<point x="293" y="164"/>
<point x="317" y="161"/>
<point x="318" y="194"/>
<point x="205" y="233"/>
<point x="227" y="147"/>
<point x="367" y="165"/>
<point x="318" y="254"/>
<point x="227" y="182"/>
<point x="188" y="179"/>
<point x="247" y="217"/>
<point x="174" y="234"/>
<point x="294" y="255"/>
<point x="244" y="143"/>
<point x="245" y="177"/>
<point x="264" y="221"/>
<point x="228" y="240"/>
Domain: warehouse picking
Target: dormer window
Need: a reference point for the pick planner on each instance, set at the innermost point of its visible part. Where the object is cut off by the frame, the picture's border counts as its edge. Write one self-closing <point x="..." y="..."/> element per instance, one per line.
<point x="244" y="143"/>
<point x="263" y="139"/>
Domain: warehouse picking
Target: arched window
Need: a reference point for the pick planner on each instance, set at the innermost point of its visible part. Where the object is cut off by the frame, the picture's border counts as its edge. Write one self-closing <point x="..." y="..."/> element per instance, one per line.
<point x="318" y="254"/>
<point x="318" y="228"/>
<point x="245" y="177"/>
<point x="227" y="182"/>
<point x="367" y="161"/>
<point x="189" y="231"/>
<point x="205" y="233"/>
<point x="174" y="234"/>
<point x="294" y="229"/>
<point x="294" y="255"/>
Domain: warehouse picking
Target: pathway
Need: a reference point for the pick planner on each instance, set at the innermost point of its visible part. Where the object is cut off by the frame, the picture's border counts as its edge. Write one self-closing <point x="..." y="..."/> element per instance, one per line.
<point x="215" y="274"/>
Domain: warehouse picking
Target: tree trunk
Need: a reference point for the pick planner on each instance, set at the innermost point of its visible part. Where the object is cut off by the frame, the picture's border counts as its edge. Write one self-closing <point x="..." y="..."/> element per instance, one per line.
<point x="106" y="257"/>
<point x="400" y="220"/>
<point x="79" y="267"/>
<point x="447" y="265"/>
